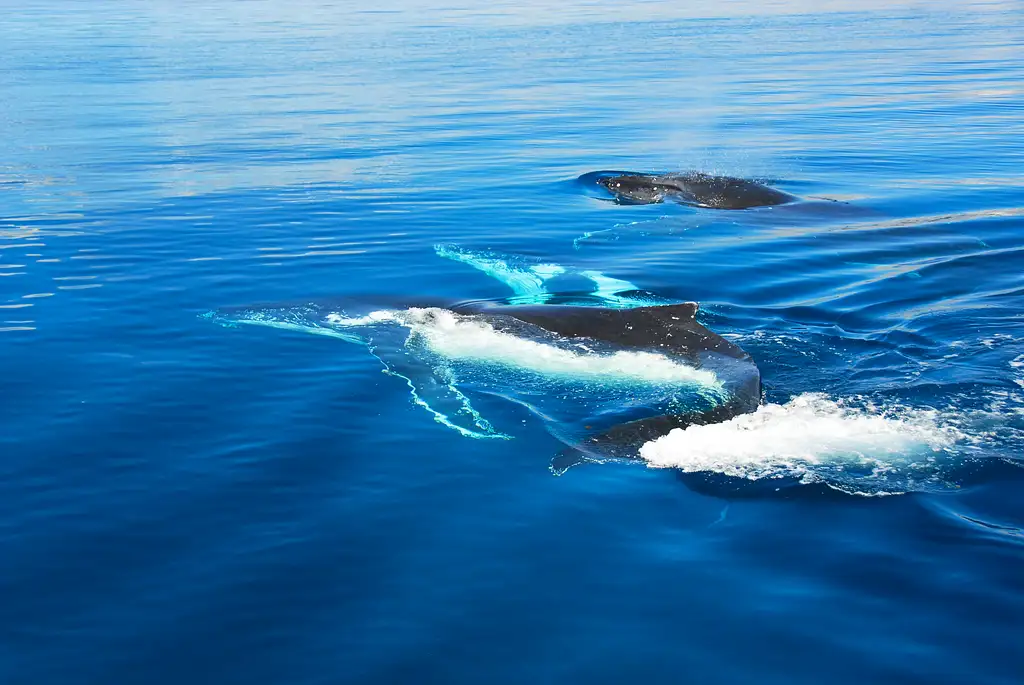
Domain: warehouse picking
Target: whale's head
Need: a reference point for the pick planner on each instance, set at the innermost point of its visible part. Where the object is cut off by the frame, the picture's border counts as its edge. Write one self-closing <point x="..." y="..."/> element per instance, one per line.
<point x="635" y="190"/>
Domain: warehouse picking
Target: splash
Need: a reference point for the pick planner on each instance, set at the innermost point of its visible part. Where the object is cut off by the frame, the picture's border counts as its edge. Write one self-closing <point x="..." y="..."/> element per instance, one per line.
<point x="855" y="447"/>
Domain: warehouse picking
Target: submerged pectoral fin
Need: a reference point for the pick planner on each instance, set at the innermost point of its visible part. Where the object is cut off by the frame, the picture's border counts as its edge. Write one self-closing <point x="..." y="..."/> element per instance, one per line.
<point x="618" y="442"/>
<point x="567" y="459"/>
<point x="306" y="319"/>
<point x="434" y="390"/>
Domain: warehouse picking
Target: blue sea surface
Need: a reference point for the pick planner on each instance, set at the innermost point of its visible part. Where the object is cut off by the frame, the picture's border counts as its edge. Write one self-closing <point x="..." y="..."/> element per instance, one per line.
<point x="183" y="502"/>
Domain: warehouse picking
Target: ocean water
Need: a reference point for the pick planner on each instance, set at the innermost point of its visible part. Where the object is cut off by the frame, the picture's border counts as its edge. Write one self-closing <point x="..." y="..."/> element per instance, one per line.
<point x="183" y="502"/>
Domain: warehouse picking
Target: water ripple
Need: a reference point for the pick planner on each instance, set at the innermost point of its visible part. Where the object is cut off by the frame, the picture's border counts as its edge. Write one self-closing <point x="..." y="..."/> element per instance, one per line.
<point x="273" y="508"/>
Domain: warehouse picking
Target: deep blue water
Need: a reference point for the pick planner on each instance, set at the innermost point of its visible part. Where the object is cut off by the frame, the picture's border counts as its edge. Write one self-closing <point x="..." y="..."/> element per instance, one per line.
<point x="182" y="502"/>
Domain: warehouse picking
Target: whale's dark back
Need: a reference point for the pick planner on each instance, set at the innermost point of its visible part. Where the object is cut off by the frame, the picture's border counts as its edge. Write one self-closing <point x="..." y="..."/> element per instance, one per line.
<point x="696" y="188"/>
<point x="670" y="329"/>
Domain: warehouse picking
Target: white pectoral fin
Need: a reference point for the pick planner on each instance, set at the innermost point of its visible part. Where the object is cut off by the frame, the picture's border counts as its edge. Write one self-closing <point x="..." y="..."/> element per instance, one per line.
<point x="528" y="279"/>
<point x="298" y="326"/>
<point x="523" y="281"/>
<point x="608" y="288"/>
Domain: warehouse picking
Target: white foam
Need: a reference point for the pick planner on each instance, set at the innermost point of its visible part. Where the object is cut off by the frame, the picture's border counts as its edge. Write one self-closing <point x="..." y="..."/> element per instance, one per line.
<point x="1017" y="364"/>
<point x="804" y="437"/>
<point x="468" y="338"/>
<point x="380" y="316"/>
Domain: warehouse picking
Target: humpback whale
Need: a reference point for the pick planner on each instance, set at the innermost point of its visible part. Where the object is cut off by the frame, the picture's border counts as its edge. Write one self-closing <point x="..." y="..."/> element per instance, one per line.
<point x="692" y="188"/>
<point x="605" y="365"/>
